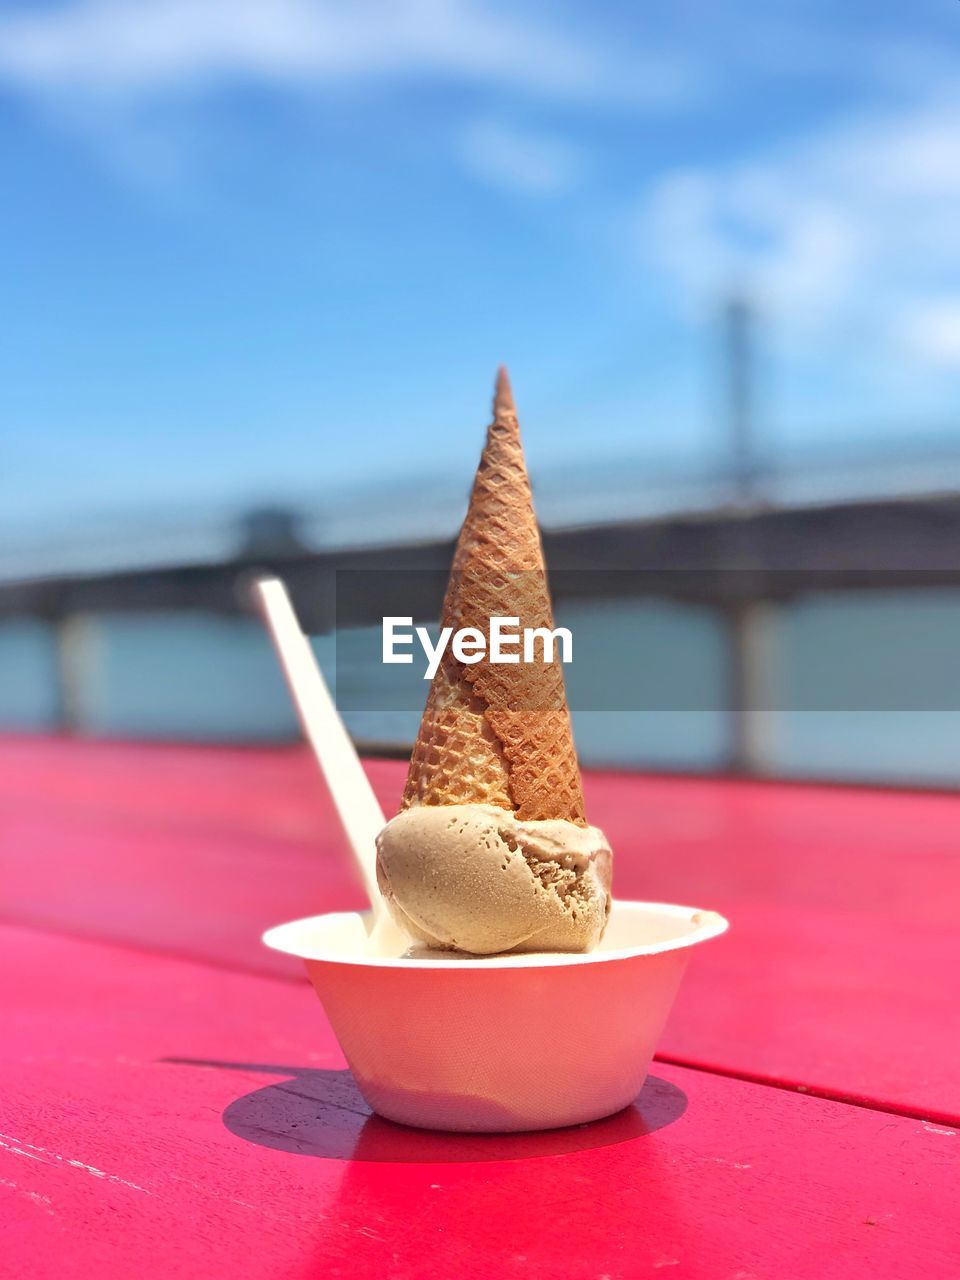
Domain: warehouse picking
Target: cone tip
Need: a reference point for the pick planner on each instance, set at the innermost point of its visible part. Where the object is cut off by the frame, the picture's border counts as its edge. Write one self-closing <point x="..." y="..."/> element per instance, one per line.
<point x="503" y="396"/>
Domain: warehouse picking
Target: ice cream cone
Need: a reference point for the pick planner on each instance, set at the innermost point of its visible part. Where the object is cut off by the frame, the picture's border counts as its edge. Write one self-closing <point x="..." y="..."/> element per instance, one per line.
<point x="498" y="734"/>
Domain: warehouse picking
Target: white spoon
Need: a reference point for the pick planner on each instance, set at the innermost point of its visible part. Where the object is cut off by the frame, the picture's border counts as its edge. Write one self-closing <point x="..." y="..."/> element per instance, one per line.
<point x="354" y="799"/>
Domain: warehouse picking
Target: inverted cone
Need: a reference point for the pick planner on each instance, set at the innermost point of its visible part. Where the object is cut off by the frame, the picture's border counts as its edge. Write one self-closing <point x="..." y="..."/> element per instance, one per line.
<point x="494" y="733"/>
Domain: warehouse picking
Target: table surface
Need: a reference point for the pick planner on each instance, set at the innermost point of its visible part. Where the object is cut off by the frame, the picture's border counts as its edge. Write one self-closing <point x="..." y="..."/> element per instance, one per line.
<point x="170" y="1092"/>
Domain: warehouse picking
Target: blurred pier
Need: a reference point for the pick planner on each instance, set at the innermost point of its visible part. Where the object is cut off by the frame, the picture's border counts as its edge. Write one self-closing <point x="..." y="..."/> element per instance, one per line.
<point x="714" y="557"/>
<point x="740" y="563"/>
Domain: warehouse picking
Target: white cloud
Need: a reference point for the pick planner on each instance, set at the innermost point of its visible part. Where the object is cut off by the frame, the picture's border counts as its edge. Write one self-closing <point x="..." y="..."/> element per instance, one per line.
<point x="712" y="233"/>
<point x="144" y="46"/>
<point x="518" y="159"/>
<point x="114" y="74"/>
<point x="855" y="226"/>
<point x="932" y="330"/>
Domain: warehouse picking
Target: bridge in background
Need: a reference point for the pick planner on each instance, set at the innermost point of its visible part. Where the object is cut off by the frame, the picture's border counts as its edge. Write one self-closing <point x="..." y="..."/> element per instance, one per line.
<point x="739" y="561"/>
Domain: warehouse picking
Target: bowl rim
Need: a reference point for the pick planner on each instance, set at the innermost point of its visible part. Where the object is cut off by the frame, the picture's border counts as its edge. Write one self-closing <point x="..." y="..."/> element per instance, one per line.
<point x="281" y="937"/>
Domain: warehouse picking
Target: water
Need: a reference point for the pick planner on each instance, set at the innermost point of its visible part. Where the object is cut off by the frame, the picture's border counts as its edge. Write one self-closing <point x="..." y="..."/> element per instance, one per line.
<point x="843" y="704"/>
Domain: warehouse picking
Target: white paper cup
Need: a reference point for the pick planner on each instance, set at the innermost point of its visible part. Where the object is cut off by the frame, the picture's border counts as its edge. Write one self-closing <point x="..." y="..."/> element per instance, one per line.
<point x="500" y="1043"/>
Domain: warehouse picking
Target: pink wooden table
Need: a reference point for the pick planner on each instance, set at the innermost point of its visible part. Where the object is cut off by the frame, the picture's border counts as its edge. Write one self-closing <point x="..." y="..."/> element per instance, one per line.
<point x="173" y="1104"/>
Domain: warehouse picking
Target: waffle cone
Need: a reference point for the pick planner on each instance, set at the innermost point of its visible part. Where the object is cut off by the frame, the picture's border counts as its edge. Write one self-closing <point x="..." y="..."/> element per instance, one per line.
<point x="498" y="734"/>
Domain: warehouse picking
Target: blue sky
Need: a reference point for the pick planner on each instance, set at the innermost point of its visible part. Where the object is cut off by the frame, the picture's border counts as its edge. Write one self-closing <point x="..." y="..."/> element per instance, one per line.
<point x="273" y="247"/>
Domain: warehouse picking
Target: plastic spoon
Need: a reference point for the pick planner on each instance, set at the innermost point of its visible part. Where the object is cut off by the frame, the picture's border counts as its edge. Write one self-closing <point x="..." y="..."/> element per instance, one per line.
<point x="354" y="799"/>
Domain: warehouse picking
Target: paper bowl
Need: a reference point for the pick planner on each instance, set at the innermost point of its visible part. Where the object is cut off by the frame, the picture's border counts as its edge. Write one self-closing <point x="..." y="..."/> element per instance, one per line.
<point x="500" y="1043"/>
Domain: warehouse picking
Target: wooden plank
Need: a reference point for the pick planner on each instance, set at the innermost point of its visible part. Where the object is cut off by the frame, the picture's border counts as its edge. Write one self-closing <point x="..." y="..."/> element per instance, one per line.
<point x="842" y="965"/>
<point x="839" y="973"/>
<point x="163" y="1118"/>
<point x="191" y="850"/>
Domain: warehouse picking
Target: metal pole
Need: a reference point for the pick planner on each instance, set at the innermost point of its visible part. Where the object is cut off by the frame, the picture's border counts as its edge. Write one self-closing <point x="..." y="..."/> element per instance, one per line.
<point x="750" y="622"/>
<point x="77" y="660"/>
<point x="738" y="357"/>
<point x="752" y="636"/>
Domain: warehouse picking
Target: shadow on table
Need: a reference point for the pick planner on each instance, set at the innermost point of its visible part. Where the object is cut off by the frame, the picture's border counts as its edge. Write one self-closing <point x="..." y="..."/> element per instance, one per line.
<point x="321" y="1113"/>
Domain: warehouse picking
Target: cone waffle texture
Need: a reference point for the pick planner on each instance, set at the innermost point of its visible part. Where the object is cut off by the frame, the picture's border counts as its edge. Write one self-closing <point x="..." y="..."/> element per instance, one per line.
<point x="498" y="733"/>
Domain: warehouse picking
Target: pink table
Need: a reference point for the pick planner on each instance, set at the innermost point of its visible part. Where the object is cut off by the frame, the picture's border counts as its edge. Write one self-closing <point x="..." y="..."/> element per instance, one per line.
<point x="135" y="882"/>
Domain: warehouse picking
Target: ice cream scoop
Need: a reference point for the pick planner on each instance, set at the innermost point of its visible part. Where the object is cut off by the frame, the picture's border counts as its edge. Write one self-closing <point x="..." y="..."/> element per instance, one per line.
<point x="474" y="878"/>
